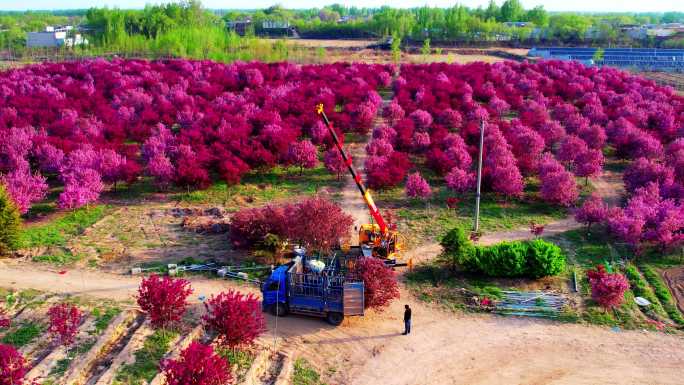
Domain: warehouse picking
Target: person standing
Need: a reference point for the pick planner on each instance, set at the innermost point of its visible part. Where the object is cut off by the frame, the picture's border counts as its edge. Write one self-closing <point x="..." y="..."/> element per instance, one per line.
<point x="407" y="320"/>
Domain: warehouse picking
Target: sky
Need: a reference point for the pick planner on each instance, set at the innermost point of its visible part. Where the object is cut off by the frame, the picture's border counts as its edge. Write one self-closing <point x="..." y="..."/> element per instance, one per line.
<point x="550" y="5"/>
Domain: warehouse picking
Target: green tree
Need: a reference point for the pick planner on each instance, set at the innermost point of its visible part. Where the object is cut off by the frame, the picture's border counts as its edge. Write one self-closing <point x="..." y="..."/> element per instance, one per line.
<point x="457" y="249"/>
<point x="426" y="47"/>
<point x="511" y="10"/>
<point x="395" y="48"/>
<point x="493" y="12"/>
<point x="598" y="55"/>
<point x="538" y="16"/>
<point x="10" y="223"/>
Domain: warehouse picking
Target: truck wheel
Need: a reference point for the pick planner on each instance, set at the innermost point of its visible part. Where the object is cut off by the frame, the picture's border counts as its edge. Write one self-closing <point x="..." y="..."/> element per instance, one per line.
<point x="335" y="318"/>
<point x="279" y="310"/>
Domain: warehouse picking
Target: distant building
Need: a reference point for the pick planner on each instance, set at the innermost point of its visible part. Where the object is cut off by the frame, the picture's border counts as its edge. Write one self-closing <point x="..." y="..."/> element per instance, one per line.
<point x="275" y="24"/>
<point x="240" y="26"/>
<point x="639" y="32"/>
<point x="55" y="36"/>
<point x="278" y="28"/>
<point x="516" y="24"/>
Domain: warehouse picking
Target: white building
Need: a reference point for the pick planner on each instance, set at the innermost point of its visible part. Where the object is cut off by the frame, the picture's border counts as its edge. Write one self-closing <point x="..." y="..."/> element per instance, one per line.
<point x="55" y="37"/>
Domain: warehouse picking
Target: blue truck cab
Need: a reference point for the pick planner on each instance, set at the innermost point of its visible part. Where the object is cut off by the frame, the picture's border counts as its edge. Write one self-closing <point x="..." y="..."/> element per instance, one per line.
<point x="330" y="293"/>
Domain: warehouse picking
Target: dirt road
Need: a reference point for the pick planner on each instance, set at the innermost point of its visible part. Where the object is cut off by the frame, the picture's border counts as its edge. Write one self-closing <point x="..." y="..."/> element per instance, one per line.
<point x="352" y="201"/>
<point x="90" y="283"/>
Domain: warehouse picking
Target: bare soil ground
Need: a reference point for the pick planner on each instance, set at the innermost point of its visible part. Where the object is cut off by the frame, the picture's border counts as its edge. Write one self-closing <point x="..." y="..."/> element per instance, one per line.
<point x="150" y="232"/>
<point x="675" y="280"/>
<point x="376" y="56"/>
<point x="550" y="229"/>
<point x="79" y="282"/>
<point x="331" y="43"/>
<point x="610" y="187"/>
<point x="674" y="80"/>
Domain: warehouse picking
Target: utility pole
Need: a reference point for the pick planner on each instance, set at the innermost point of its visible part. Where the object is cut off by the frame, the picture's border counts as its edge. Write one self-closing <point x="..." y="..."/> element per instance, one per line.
<point x="476" y="227"/>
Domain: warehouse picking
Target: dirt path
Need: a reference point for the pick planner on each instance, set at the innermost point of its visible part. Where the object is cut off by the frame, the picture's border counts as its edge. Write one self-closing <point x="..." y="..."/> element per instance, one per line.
<point x="610" y="187"/>
<point x="89" y="283"/>
<point x="675" y="280"/>
<point x="550" y="229"/>
<point x="352" y="202"/>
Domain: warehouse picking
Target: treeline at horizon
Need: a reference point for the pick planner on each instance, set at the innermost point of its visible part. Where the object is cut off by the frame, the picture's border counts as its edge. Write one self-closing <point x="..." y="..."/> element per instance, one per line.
<point x="188" y="29"/>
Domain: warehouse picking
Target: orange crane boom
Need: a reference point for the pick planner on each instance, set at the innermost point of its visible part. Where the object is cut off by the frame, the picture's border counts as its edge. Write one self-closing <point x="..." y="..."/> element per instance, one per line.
<point x="375" y="213"/>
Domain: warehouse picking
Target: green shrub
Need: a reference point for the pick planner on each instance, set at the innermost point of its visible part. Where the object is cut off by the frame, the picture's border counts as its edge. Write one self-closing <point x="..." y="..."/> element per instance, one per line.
<point x="457" y="248"/>
<point x="543" y="259"/>
<point x="505" y="259"/>
<point x="10" y="224"/>
<point x="534" y="259"/>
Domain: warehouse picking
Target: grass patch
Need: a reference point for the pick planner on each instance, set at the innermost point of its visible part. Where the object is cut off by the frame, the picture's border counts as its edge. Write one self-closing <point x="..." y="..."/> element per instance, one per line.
<point x="62" y="257"/>
<point x="58" y="232"/>
<point x="432" y="283"/>
<point x="305" y="374"/>
<point x="146" y="364"/>
<point x="103" y="317"/>
<point x="589" y="250"/>
<point x="626" y="315"/>
<point x="239" y="359"/>
<point x="41" y="209"/>
<point x="23" y="334"/>
<point x="640" y="288"/>
<point x="663" y="293"/>
<point x="62" y="365"/>
<point x="434" y="219"/>
<point x="259" y="187"/>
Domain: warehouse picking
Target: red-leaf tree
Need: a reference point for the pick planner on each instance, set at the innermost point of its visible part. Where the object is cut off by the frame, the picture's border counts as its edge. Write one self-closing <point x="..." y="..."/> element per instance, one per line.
<point x="593" y="210"/>
<point x="589" y="164"/>
<point x="386" y="171"/>
<point x="417" y="187"/>
<point x="459" y="180"/>
<point x="570" y="147"/>
<point x="250" y="226"/>
<point x="236" y="318"/>
<point x="64" y="322"/>
<point x="334" y="162"/>
<point x="380" y="283"/>
<point x="608" y="290"/>
<point x="12" y="366"/>
<point x="24" y="188"/>
<point x="164" y="299"/>
<point x="303" y="154"/>
<point x="197" y="365"/>
<point x="318" y="223"/>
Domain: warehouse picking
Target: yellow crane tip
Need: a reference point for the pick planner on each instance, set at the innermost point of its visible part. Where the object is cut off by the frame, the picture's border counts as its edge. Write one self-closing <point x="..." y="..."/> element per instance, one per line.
<point x="319" y="108"/>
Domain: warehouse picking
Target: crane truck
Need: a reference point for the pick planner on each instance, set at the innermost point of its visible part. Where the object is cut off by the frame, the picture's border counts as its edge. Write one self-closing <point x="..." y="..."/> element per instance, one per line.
<point x="376" y="239"/>
<point x="325" y="288"/>
<point x="331" y="291"/>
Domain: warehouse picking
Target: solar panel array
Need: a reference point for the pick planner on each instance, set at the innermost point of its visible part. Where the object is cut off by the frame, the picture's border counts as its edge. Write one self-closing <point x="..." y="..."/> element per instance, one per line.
<point x="642" y="58"/>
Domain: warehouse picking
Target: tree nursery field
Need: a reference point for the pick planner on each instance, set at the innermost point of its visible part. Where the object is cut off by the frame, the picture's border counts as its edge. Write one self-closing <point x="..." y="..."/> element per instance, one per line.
<point x="114" y="167"/>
